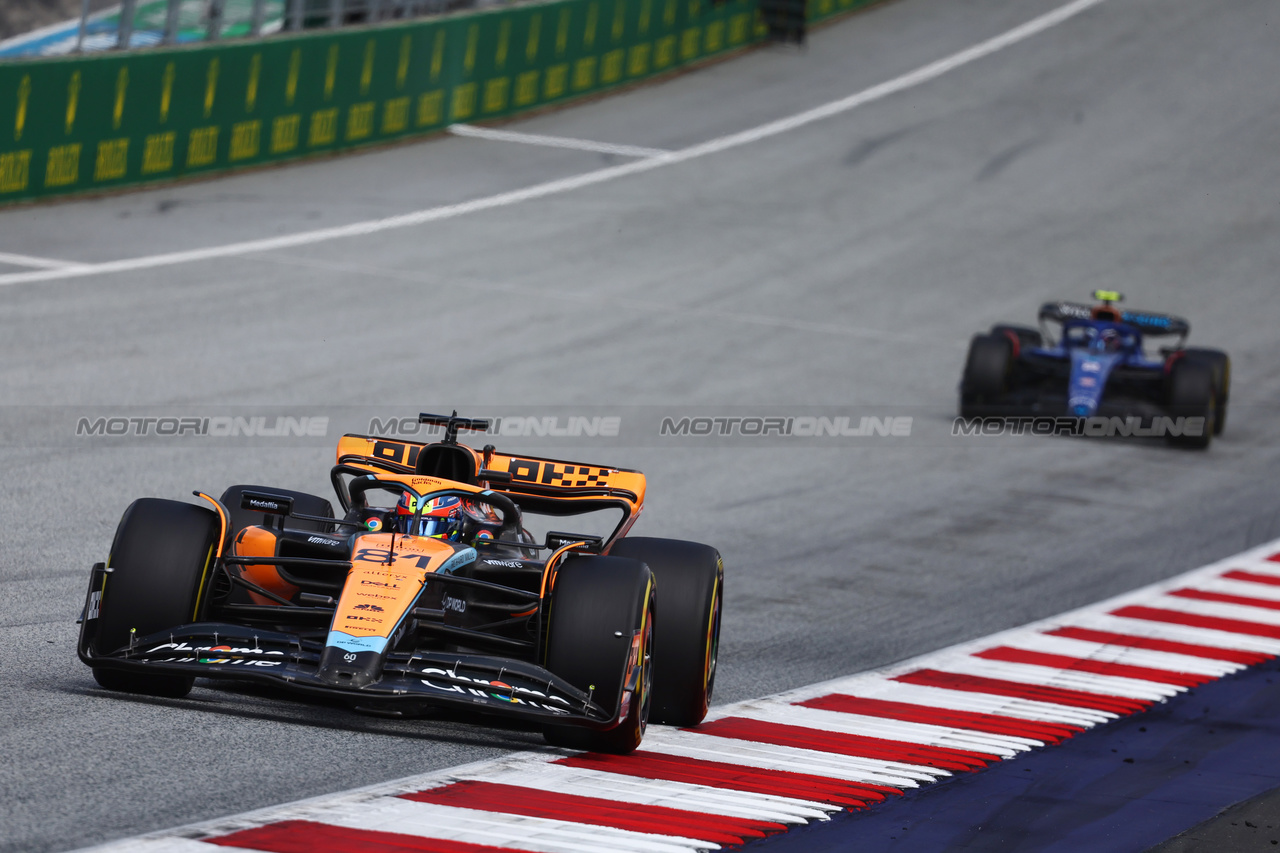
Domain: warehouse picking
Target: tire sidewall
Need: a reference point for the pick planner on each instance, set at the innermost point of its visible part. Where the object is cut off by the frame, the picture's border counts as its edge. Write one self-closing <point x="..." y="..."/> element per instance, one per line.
<point x="1192" y="394"/>
<point x="690" y="580"/>
<point x="597" y="605"/>
<point x="160" y="563"/>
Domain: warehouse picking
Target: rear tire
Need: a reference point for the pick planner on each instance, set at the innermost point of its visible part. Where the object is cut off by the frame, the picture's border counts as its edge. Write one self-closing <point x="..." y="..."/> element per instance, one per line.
<point x="1192" y="394"/>
<point x="986" y="373"/>
<point x="1220" y="365"/>
<point x="597" y="607"/>
<point x="158" y="571"/>
<point x="1027" y="336"/>
<point x="238" y="519"/>
<point x="691" y="577"/>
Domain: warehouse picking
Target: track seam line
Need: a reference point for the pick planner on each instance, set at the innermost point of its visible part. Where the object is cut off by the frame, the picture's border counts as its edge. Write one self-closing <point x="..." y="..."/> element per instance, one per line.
<point x="490" y="134"/>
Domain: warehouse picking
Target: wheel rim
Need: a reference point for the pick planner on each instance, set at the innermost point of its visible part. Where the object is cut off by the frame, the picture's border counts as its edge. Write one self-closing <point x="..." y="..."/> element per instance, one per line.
<point x="712" y="643"/>
<point x="645" y="686"/>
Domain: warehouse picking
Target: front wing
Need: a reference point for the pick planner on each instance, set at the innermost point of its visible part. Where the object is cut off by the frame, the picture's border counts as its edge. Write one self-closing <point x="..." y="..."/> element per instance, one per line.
<point x="484" y="683"/>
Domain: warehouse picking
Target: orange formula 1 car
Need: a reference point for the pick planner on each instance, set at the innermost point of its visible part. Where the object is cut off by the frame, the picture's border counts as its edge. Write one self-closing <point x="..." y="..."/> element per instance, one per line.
<point x="429" y="589"/>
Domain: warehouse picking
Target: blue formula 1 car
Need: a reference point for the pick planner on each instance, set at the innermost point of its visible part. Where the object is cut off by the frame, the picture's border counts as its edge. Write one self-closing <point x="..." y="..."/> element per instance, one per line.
<point x="1097" y="372"/>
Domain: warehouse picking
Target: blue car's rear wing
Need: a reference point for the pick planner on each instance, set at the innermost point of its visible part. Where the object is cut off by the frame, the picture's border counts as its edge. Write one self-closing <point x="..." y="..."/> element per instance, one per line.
<point x="1149" y="323"/>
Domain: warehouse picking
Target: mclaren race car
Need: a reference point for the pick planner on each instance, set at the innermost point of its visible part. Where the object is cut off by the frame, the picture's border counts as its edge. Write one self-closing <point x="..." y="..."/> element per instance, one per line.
<point x="427" y="590"/>
<point x="1096" y="371"/>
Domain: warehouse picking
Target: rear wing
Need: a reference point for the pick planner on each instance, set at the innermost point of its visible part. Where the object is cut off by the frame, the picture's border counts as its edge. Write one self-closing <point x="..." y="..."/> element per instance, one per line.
<point x="1148" y="323"/>
<point x="539" y="484"/>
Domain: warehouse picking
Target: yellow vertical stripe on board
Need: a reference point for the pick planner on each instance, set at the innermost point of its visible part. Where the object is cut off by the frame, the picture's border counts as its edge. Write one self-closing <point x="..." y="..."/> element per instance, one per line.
<point x="473" y="38"/>
<point x="73" y="101"/>
<point x="437" y="55"/>
<point x="562" y="32"/>
<point x="211" y="85"/>
<point x="402" y="68"/>
<point x="504" y="42"/>
<point x="291" y="84"/>
<point x="20" y="114"/>
<point x="593" y="18"/>
<point x="535" y="33"/>
<point x="251" y="92"/>
<point x="619" y="19"/>
<point x="166" y="92"/>
<point x="330" y="71"/>
<point x="122" y="87"/>
<point x="366" y="73"/>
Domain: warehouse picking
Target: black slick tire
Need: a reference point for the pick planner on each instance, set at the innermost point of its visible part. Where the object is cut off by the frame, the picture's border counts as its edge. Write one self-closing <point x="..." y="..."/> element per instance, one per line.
<point x="1220" y="366"/>
<point x="690" y="577"/>
<point x="159" y="567"/>
<point x="600" y="636"/>
<point x="986" y="373"/>
<point x="1191" y="394"/>
<point x="1025" y="335"/>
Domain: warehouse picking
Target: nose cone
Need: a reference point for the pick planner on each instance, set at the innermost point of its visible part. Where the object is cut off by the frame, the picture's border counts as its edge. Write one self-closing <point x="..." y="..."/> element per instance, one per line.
<point x="349" y="670"/>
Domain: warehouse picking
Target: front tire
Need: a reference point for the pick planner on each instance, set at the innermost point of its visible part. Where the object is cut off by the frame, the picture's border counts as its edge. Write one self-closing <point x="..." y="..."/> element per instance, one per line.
<point x="691" y="577"/>
<point x="600" y="638"/>
<point x="158" y="572"/>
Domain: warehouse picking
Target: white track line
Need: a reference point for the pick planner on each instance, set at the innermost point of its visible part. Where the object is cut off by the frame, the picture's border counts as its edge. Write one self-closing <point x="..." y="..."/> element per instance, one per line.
<point x="600" y="176"/>
<point x="555" y="141"/>
<point x="31" y="261"/>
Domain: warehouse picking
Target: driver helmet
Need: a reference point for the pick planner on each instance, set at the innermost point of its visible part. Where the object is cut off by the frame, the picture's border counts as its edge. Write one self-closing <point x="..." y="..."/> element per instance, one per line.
<point x="1108" y="340"/>
<point x="439" y="516"/>
<point x="477" y="521"/>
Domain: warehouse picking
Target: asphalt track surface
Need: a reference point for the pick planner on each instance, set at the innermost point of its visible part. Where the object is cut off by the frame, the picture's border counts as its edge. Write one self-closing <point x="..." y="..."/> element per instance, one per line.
<point x="843" y="263"/>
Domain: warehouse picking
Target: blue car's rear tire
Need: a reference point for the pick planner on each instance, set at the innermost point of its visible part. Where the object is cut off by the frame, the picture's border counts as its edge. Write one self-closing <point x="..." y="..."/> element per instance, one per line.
<point x="1220" y="365"/>
<point x="1191" y="394"/>
<point x="1025" y="335"/>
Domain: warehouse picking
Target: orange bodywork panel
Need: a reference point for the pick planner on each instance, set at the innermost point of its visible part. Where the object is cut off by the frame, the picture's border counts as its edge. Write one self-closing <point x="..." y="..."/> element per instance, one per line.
<point x="387" y="573"/>
<point x="260" y="542"/>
